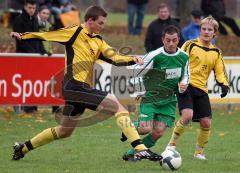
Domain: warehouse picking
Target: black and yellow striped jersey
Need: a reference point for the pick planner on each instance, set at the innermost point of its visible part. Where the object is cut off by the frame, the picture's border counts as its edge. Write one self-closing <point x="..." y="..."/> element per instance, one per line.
<point x="202" y="61"/>
<point x="82" y="50"/>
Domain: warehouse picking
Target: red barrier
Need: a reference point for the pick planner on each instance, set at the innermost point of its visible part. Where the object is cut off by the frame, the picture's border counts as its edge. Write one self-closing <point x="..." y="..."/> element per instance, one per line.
<point x="28" y="79"/>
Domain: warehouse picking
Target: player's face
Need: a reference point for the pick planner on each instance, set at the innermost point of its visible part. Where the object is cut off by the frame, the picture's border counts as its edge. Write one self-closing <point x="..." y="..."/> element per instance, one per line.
<point x="30" y="9"/>
<point x="207" y="32"/>
<point x="170" y="42"/>
<point x="97" y="25"/>
<point x="44" y="14"/>
<point x="163" y="13"/>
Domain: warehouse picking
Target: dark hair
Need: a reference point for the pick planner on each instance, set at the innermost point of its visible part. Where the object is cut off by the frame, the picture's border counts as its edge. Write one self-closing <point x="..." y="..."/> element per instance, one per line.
<point x="171" y="29"/>
<point x="94" y="12"/>
<point x="32" y="2"/>
<point x="43" y="7"/>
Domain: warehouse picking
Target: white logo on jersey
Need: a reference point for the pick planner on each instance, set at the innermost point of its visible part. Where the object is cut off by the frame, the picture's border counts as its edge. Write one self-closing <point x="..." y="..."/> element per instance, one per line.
<point x="143" y="115"/>
<point x="173" y="73"/>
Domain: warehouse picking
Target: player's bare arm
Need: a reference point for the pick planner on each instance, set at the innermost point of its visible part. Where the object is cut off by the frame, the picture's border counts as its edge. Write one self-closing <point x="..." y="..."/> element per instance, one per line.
<point x="16" y="35"/>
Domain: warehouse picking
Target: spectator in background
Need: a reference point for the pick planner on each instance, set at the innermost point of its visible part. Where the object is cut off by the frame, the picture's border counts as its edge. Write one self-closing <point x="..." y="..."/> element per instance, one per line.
<point x="192" y="30"/>
<point x="28" y="22"/>
<point x="44" y="25"/>
<point x="47" y="3"/>
<point x="216" y="8"/>
<point x="153" y="38"/>
<point x="57" y="8"/>
<point x="136" y="7"/>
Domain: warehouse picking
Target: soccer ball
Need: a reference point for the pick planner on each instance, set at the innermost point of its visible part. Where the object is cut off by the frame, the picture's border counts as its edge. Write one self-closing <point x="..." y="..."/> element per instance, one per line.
<point x="171" y="160"/>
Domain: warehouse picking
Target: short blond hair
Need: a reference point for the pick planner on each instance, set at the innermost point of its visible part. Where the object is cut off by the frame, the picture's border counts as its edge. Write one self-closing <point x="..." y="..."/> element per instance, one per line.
<point x="210" y="20"/>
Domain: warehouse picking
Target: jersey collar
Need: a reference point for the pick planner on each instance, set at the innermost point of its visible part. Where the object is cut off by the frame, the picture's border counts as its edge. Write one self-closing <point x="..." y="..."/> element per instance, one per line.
<point x="168" y="54"/>
<point x="87" y="32"/>
<point x="200" y="43"/>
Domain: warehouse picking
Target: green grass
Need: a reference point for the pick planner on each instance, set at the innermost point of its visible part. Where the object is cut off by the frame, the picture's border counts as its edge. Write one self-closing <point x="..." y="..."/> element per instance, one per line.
<point x="120" y="19"/>
<point x="98" y="149"/>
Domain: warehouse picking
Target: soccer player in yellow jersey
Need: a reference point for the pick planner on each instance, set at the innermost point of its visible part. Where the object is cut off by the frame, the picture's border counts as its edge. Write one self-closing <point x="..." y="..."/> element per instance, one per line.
<point x="83" y="47"/>
<point x="194" y="104"/>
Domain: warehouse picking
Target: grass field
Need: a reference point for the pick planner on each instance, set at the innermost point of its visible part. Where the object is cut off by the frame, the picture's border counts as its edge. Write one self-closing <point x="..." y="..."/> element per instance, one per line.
<point x="98" y="149"/>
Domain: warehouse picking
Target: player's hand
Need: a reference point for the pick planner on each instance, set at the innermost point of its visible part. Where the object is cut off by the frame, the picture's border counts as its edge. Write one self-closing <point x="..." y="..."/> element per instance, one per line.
<point x="138" y="60"/>
<point x="16" y="35"/>
<point x="139" y="97"/>
<point x="182" y="87"/>
<point x="225" y="90"/>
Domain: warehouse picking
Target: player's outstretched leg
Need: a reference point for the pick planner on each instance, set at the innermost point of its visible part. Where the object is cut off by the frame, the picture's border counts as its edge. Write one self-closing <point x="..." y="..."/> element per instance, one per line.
<point x="149" y="140"/>
<point x="46" y="136"/>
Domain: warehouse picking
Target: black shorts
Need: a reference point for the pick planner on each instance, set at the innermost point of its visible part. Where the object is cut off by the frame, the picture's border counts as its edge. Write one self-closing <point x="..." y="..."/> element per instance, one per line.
<point x="78" y="96"/>
<point x="197" y="100"/>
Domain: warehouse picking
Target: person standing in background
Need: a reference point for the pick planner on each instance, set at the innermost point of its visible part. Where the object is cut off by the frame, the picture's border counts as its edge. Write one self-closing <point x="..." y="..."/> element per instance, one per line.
<point x="216" y="8"/>
<point x="136" y="7"/>
<point x="28" y="22"/>
<point x="44" y="25"/>
<point x="192" y="30"/>
<point x="153" y="38"/>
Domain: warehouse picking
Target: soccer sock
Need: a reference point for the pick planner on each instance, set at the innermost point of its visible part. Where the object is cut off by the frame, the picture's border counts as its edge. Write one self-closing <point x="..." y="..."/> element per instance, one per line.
<point x="148" y="141"/>
<point x="136" y="124"/>
<point x="202" y="139"/>
<point x="123" y="136"/>
<point x="177" y="132"/>
<point x="46" y="136"/>
<point x="127" y="127"/>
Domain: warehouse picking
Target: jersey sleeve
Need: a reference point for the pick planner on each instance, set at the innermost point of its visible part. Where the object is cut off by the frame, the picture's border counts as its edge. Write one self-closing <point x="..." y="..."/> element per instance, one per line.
<point x="110" y="55"/>
<point x="186" y="46"/>
<point x="220" y="71"/>
<point x="141" y="70"/>
<point x="186" y="76"/>
<point x="62" y="35"/>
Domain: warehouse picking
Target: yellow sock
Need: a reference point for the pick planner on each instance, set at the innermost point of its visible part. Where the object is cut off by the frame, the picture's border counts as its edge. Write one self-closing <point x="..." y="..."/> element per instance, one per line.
<point x="202" y="140"/>
<point x="177" y="132"/>
<point x="46" y="136"/>
<point x="127" y="127"/>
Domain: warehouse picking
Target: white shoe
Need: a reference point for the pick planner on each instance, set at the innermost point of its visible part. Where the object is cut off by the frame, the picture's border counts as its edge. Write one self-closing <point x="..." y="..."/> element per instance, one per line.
<point x="170" y="147"/>
<point x="200" y="156"/>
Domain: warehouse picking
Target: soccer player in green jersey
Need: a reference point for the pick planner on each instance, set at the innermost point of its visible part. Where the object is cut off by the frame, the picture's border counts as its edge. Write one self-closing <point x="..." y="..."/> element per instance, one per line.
<point x="165" y="72"/>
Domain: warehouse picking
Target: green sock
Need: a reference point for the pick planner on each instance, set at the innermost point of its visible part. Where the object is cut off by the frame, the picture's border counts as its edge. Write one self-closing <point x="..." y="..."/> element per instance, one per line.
<point x="136" y="124"/>
<point x="148" y="141"/>
<point x="130" y="152"/>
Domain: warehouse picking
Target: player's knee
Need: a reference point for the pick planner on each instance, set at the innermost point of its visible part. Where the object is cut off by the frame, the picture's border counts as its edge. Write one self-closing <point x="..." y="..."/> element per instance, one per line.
<point x="158" y="133"/>
<point x="187" y="115"/>
<point x="205" y="122"/>
<point x="64" y="133"/>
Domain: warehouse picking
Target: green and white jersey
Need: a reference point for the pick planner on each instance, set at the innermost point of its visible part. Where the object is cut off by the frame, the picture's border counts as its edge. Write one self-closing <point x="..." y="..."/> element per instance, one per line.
<point x="161" y="74"/>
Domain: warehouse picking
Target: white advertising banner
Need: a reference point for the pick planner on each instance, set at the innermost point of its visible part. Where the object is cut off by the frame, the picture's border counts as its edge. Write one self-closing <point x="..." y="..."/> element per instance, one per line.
<point x="116" y="80"/>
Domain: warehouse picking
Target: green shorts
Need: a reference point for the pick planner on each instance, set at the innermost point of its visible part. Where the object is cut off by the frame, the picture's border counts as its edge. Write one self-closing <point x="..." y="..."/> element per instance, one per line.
<point x="162" y="113"/>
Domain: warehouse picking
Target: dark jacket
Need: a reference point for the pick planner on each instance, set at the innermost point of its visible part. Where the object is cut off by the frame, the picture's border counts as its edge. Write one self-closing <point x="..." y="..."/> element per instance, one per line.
<point x="138" y="2"/>
<point x="153" y="38"/>
<point x="25" y="23"/>
<point x="214" y="7"/>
